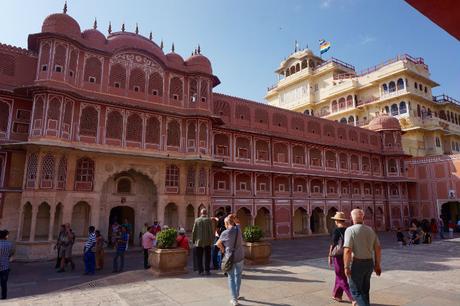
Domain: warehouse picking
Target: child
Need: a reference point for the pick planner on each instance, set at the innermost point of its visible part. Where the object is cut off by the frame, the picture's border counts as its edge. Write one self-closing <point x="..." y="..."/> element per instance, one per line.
<point x="182" y="240"/>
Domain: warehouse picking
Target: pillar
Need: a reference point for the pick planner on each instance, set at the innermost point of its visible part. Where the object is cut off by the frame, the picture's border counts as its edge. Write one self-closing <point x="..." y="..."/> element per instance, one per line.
<point x="52" y="217"/>
<point x="324" y="223"/>
<point x="20" y="223"/>
<point x="33" y="223"/>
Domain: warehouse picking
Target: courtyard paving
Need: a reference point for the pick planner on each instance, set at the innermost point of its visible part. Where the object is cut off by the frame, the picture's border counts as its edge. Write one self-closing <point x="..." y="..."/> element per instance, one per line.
<point x="298" y="275"/>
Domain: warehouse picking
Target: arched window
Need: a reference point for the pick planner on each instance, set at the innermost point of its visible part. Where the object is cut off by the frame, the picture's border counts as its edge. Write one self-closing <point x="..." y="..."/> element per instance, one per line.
<point x="203" y="134"/>
<point x="117" y="77"/>
<point x="193" y="90"/>
<point x="343" y="120"/>
<point x="59" y="58"/>
<point x="349" y="101"/>
<point x="341" y="103"/>
<point x="47" y="174"/>
<point x="438" y="142"/>
<point x="134" y="128"/>
<point x="156" y="84"/>
<point x="190" y="180"/>
<point x="334" y="106"/>
<point x="402" y="107"/>
<point x="176" y="89"/>
<point x="351" y="120"/>
<point x="400" y="84"/>
<point x="173" y="134"/>
<point x="394" y="110"/>
<point x="137" y="80"/>
<point x="203" y="178"/>
<point x="385" y="88"/>
<point x="93" y="70"/>
<point x="415" y="85"/>
<point x="204" y="91"/>
<point x="392" y="87"/>
<point x="84" y="174"/>
<point x="124" y="185"/>
<point x="114" y="126"/>
<point x="89" y="121"/>
<point x="172" y="176"/>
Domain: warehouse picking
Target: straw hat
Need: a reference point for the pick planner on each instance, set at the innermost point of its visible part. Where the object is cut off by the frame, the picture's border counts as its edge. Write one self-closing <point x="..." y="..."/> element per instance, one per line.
<point x="339" y="216"/>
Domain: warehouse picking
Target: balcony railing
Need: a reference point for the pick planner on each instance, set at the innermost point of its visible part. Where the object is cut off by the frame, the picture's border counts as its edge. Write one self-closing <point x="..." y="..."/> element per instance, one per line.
<point x="445" y="98"/>
<point x="401" y="57"/>
<point x="367" y="100"/>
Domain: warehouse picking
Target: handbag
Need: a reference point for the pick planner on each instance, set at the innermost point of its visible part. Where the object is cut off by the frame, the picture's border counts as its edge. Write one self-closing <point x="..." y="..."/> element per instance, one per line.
<point x="338" y="249"/>
<point x="227" y="261"/>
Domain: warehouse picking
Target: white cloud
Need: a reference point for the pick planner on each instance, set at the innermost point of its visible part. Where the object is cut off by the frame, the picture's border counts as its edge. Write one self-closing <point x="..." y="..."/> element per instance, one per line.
<point x="326" y="3"/>
<point x="367" y="39"/>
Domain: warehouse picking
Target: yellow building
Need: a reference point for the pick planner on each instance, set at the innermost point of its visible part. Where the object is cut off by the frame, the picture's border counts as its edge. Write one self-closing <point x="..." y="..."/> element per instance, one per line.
<point x="401" y="87"/>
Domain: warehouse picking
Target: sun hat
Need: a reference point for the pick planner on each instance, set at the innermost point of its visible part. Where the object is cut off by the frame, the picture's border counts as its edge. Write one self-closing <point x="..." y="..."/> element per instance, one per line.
<point x="181" y="230"/>
<point x="340" y="216"/>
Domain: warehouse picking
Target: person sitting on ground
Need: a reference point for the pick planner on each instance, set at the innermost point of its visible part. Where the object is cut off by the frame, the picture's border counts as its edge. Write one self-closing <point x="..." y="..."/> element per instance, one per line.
<point x="400" y="237"/>
<point x="426" y="231"/>
<point x="182" y="240"/>
<point x="415" y="232"/>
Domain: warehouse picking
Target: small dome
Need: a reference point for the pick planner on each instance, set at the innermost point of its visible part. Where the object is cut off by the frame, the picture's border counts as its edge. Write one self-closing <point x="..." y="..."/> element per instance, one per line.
<point x="62" y="24"/>
<point x="175" y="58"/>
<point x="125" y="40"/>
<point x="384" y="123"/>
<point x="199" y="63"/>
<point x="94" y="37"/>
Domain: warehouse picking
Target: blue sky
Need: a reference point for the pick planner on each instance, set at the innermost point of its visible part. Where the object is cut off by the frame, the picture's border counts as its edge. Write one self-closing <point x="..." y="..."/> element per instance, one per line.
<point x="246" y="39"/>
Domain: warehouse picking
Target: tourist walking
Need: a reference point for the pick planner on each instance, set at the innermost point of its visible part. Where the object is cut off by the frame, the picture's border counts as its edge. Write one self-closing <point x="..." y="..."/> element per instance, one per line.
<point x="363" y="243"/>
<point x="441" y="227"/>
<point x="231" y="243"/>
<point x="336" y="258"/>
<point x="58" y="246"/>
<point x="100" y="253"/>
<point x="202" y="238"/>
<point x="88" y="251"/>
<point x="145" y="228"/>
<point x="6" y="251"/>
<point x="120" y="249"/>
<point x="68" y="241"/>
<point x="148" y="242"/>
<point x="182" y="240"/>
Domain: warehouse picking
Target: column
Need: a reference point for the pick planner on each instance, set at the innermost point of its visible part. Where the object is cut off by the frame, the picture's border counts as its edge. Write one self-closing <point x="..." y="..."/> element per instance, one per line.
<point x="307" y="222"/>
<point x="52" y="217"/>
<point x="324" y="222"/>
<point x="20" y="223"/>
<point x="33" y="223"/>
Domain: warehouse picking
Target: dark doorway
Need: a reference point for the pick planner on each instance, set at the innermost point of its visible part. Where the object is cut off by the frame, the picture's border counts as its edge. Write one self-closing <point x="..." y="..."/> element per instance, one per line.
<point x="120" y="214"/>
<point x="450" y="211"/>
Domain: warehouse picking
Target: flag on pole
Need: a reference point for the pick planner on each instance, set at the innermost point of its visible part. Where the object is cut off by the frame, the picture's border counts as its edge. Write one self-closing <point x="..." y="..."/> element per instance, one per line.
<point x="324" y="46"/>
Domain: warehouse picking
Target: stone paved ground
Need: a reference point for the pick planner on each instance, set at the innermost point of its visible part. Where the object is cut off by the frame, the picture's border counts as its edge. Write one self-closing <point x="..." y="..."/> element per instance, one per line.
<point x="419" y="275"/>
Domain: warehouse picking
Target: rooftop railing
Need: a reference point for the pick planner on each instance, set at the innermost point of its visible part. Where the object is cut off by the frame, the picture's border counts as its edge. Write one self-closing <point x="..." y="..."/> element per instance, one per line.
<point x="415" y="60"/>
<point x="445" y="98"/>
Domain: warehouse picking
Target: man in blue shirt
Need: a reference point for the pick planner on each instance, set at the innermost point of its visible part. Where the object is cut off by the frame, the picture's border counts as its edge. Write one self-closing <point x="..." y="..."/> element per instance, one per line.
<point x="90" y="259"/>
<point x="6" y="251"/>
<point x="120" y="249"/>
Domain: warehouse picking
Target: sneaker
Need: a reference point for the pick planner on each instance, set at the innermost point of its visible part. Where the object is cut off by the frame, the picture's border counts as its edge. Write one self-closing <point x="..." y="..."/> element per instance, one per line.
<point x="234" y="302"/>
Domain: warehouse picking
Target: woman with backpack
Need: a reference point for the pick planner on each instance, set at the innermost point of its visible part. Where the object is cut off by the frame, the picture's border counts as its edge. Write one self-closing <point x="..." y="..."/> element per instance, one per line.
<point x="336" y="258"/>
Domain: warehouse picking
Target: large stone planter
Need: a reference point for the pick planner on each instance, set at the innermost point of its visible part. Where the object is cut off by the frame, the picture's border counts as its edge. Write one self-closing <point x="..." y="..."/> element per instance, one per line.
<point x="257" y="253"/>
<point x="166" y="262"/>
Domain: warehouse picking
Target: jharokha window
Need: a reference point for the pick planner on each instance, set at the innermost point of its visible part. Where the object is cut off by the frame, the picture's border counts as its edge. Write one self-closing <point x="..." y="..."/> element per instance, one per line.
<point x="84" y="174"/>
<point x="172" y="176"/>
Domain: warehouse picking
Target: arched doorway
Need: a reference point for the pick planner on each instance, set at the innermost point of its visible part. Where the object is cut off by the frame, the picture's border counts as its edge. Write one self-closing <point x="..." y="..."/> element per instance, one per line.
<point x="190" y="218"/>
<point x="329" y="222"/>
<point x="42" y="224"/>
<point x="263" y="221"/>
<point x="244" y="216"/>
<point x="301" y="221"/>
<point x="317" y="221"/>
<point x="450" y="211"/>
<point x="171" y="215"/>
<point x="369" y="217"/>
<point x="123" y="215"/>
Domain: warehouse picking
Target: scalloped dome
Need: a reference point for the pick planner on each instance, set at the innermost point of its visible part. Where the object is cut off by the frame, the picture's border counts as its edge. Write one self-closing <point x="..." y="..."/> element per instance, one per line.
<point x="384" y="122"/>
<point x="62" y="24"/>
<point x="94" y="37"/>
<point x="200" y="63"/>
<point x="126" y="40"/>
<point x="175" y="58"/>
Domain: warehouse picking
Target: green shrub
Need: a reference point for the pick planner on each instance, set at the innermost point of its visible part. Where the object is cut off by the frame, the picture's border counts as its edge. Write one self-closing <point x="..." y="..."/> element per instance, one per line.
<point x="166" y="239"/>
<point x="252" y="233"/>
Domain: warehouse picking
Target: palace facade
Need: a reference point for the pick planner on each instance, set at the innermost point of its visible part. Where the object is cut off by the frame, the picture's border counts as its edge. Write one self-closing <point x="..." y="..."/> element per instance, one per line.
<point x="96" y="129"/>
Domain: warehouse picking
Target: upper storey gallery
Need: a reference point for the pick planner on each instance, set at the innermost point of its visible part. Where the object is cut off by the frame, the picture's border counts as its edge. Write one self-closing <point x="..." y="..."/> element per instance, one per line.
<point x="122" y="64"/>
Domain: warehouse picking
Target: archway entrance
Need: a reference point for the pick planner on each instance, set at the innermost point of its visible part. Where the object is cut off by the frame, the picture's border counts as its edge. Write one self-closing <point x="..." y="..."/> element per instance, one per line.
<point x="329" y="222"/>
<point x="263" y="221"/>
<point x="301" y="221"/>
<point x="317" y="221"/>
<point x="122" y="215"/>
<point x="450" y="211"/>
<point x="244" y="216"/>
<point x="171" y="217"/>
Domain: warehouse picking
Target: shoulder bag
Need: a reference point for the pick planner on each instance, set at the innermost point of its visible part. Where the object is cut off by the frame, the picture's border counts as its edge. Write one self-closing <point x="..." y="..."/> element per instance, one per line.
<point x="227" y="261"/>
<point x="338" y="249"/>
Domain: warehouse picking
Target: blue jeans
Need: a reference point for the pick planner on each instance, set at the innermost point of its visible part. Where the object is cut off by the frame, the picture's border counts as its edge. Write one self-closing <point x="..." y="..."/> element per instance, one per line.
<point x="360" y="281"/>
<point x="121" y="255"/>
<point x="4" y="281"/>
<point x="234" y="279"/>
<point x="90" y="262"/>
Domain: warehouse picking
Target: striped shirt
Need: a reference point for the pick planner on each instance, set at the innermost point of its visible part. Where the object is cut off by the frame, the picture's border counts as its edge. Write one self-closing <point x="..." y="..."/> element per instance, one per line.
<point x="6" y="251"/>
<point x="90" y="242"/>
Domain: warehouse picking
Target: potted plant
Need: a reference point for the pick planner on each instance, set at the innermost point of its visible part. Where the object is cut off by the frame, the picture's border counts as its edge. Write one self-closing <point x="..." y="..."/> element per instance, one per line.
<point x="166" y="258"/>
<point x="255" y="251"/>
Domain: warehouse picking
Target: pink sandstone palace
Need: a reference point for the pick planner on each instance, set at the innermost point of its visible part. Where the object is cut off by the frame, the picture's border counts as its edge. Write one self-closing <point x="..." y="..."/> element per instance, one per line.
<point x="95" y="129"/>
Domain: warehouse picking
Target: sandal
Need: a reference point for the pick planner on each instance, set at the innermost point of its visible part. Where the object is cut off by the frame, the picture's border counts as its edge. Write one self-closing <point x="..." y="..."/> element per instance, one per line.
<point x="337" y="299"/>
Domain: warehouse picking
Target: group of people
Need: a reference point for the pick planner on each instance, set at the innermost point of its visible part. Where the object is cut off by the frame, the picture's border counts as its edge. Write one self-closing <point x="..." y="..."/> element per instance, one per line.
<point x="355" y="253"/>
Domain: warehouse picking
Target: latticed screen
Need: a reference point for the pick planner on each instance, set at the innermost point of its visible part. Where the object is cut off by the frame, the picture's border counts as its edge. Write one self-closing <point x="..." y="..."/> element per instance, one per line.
<point x="172" y="176"/>
<point x="47" y="174"/>
<point x="32" y="170"/>
<point x="176" y="90"/>
<point x="203" y="177"/>
<point x="152" y="133"/>
<point x="93" y="69"/>
<point x="114" y="125"/>
<point x="156" y="84"/>
<point x="85" y="170"/>
<point x="62" y="173"/>
<point x="45" y="54"/>
<point x="60" y="56"/>
<point x="193" y="90"/>
<point x="190" y="179"/>
<point x="173" y="134"/>
<point x="117" y="76"/>
<point x="54" y="109"/>
<point x="134" y="128"/>
<point x="89" y="121"/>
<point x="137" y="80"/>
